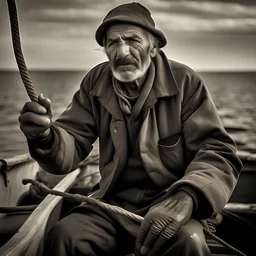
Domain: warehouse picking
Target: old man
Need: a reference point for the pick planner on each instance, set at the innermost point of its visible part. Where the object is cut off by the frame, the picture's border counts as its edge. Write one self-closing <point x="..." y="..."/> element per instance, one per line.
<point x="164" y="153"/>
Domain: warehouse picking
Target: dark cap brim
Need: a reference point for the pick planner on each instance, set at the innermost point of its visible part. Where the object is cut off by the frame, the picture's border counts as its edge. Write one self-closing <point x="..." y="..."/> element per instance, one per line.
<point x="102" y="29"/>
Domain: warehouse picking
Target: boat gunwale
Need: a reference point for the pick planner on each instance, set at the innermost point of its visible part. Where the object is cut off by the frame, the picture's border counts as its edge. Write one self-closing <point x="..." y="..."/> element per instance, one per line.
<point x="8" y="163"/>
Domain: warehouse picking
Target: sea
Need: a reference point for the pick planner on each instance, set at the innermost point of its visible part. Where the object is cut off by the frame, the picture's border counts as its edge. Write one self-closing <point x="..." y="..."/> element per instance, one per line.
<point x="234" y="94"/>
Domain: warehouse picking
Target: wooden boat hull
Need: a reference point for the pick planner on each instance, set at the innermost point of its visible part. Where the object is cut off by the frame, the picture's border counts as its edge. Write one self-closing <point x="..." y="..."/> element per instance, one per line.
<point x="29" y="237"/>
<point x="11" y="187"/>
<point x="27" y="240"/>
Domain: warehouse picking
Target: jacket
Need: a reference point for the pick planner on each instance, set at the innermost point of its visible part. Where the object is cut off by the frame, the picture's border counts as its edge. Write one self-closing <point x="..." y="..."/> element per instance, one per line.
<point x="182" y="140"/>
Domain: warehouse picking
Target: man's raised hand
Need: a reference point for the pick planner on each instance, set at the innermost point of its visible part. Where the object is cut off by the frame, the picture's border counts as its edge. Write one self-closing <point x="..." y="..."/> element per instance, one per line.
<point x="36" y="119"/>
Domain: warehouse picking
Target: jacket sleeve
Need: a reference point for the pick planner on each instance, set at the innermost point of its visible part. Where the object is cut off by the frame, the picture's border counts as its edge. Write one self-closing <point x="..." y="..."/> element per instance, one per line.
<point x="214" y="168"/>
<point x="73" y="134"/>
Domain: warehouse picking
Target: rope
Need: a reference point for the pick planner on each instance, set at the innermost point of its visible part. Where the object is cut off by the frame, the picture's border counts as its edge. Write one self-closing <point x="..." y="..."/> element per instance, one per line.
<point x="18" y="51"/>
<point x="81" y="198"/>
<point x="115" y="209"/>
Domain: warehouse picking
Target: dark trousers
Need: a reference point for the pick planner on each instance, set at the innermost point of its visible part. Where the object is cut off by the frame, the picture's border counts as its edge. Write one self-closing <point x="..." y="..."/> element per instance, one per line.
<point x="89" y="231"/>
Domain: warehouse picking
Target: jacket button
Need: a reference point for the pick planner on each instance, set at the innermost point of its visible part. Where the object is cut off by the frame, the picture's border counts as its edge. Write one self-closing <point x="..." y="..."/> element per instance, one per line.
<point x="115" y="130"/>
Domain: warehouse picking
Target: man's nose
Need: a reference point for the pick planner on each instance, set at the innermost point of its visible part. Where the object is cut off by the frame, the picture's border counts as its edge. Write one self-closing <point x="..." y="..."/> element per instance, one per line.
<point x="123" y="49"/>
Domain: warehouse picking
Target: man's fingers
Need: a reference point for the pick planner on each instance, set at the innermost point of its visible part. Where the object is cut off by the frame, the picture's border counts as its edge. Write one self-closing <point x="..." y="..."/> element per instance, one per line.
<point x="43" y="107"/>
<point x="34" y="131"/>
<point x="34" y="107"/>
<point x="30" y="117"/>
<point x="170" y="230"/>
<point x="161" y="245"/>
<point x="154" y="232"/>
<point x="148" y="243"/>
<point x="152" y="242"/>
<point x="46" y="102"/>
<point x="143" y="231"/>
<point x="35" y="119"/>
<point x="162" y="242"/>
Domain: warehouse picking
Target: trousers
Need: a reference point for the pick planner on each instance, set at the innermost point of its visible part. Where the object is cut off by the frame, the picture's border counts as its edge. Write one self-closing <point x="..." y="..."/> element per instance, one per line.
<point x="90" y="231"/>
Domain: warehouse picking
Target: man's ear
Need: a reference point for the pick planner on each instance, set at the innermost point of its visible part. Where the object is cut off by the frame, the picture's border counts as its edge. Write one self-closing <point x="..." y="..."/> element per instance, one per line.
<point x="153" y="52"/>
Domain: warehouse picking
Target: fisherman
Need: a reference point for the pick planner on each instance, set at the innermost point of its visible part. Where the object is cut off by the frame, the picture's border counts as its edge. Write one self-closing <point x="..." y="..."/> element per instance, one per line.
<point x="164" y="153"/>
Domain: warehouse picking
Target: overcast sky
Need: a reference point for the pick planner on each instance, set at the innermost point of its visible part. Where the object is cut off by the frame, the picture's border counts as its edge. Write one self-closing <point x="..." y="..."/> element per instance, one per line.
<point x="59" y="34"/>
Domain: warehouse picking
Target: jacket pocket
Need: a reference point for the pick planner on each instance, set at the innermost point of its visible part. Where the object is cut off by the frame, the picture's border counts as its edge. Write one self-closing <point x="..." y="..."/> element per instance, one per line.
<point x="171" y="152"/>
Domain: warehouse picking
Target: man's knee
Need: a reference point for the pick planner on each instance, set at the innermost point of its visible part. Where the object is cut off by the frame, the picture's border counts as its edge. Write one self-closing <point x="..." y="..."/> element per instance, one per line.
<point x="60" y="233"/>
<point x="60" y="240"/>
<point x="192" y="239"/>
<point x="78" y="234"/>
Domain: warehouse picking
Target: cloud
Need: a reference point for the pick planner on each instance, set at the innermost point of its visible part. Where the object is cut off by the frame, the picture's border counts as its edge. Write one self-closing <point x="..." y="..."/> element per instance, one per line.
<point x="194" y="16"/>
<point x="216" y="8"/>
<point x="65" y="15"/>
<point x="205" y="34"/>
<point x="204" y="16"/>
<point x="190" y="23"/>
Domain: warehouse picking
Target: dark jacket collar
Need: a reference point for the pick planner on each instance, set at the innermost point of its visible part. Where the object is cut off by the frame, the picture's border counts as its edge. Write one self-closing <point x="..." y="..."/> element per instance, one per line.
<point x="164" y="86"/>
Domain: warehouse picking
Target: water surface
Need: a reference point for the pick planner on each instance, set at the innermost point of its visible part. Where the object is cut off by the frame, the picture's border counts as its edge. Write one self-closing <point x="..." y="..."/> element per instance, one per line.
<point x="233" y="93"/>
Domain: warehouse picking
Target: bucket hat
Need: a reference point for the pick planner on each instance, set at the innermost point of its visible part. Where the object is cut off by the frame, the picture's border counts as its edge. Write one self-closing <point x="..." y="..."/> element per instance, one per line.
<point x="131" y="13"/>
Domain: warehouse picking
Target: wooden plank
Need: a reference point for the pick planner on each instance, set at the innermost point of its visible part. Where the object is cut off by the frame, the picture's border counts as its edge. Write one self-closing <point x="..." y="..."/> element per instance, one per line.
<point x="10" y="194"/>
<point x="241" y="207"/>
<point x="7" y="163"/>
<point x="28" y="237"/>
<point x="247" y="156"/>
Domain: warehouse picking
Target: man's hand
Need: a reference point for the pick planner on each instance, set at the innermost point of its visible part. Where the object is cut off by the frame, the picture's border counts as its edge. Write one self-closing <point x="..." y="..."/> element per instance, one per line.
<point x="161" y="223"/>
<point x="36" y="119"/>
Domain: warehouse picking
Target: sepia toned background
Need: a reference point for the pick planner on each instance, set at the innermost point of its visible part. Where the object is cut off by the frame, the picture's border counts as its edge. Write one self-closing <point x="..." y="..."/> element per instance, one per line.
<point x="215" y="38"/>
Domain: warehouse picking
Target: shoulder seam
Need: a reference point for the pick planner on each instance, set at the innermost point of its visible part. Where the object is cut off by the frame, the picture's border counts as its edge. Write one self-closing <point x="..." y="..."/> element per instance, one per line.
<point x="190" y="71"/>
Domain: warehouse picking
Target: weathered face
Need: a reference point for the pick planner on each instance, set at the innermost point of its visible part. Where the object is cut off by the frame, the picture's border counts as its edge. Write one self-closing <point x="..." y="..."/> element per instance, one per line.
<point x="129" y="51"/>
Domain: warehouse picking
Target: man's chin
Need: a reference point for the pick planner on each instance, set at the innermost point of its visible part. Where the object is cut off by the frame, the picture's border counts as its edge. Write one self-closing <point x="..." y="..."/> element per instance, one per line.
<point x="125" y="76"/>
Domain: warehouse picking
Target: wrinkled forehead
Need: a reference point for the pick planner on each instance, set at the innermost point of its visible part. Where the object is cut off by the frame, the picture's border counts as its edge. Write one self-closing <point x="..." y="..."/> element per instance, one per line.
<point x="125" y="29"/>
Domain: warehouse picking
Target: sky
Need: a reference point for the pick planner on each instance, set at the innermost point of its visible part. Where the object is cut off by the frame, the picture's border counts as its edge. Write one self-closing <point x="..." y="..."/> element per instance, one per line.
<point x="59" y="34"/>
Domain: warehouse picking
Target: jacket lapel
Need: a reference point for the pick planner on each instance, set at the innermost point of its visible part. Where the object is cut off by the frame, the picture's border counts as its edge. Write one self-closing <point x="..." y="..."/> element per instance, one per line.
<point x="104" y="91"/>
<point x="164" y="86"/>
<point x="106" y="95"/>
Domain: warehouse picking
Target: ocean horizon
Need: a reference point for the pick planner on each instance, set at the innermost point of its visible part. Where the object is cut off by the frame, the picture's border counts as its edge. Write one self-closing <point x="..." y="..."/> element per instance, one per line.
<point x="233" y="92"/>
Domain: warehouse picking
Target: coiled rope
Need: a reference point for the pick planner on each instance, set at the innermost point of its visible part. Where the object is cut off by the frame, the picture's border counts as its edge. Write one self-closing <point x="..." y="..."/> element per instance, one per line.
<point x="25" y="76"/>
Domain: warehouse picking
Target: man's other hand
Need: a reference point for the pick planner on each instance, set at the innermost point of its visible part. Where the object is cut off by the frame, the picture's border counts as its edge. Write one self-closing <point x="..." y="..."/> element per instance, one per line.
<point x="161" y="223"/>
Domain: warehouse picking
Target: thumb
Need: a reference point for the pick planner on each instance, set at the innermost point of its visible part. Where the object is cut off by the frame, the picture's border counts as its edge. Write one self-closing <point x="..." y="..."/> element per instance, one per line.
<point x="45" y="102"/>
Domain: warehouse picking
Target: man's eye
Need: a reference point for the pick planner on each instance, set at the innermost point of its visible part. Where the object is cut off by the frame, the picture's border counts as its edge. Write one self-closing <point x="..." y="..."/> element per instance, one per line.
<point x="112" y="43"/>
<point x="133" y="40"/>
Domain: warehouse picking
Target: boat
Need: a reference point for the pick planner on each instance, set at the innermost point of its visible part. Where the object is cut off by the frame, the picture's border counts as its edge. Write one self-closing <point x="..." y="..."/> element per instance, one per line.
<point x="28" y="223"/>
<point x="25" y="220"/>
<point x="24" y="225"/>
